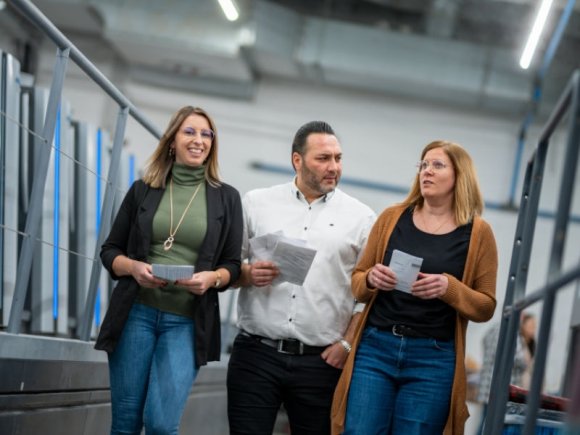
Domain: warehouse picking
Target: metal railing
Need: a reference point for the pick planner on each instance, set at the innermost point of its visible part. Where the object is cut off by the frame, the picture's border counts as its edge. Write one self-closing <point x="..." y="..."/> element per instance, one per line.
<point x="66" y="50"/>
<point x="515" y="299"/>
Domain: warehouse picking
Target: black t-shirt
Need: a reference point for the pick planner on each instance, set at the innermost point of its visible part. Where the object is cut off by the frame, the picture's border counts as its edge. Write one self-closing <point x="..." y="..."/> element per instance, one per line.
<point x="442" y="253"/>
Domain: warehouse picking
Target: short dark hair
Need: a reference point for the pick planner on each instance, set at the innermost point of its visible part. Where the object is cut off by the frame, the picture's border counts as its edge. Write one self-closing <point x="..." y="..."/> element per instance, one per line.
<point x="303" y="132"/>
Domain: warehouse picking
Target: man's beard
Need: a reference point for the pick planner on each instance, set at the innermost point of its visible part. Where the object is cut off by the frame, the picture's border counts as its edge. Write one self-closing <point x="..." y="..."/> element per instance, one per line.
<point x="310" y="180"/>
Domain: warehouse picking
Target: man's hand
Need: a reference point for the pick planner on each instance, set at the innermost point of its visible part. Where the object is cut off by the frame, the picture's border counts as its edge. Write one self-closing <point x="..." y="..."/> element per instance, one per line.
<point x="335" y="355"/>
<point x="262" y="273"/>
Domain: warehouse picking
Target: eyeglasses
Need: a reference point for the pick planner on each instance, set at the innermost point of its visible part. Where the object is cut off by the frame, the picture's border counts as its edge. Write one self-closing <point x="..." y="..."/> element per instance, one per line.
<point x="205" y="133"/>
<point x="436" y="165"/>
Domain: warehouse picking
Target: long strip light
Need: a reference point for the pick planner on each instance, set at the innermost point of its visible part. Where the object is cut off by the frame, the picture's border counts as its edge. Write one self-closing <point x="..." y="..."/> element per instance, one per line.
<point x="534" y="37"/>
<point x="230" y="10"/>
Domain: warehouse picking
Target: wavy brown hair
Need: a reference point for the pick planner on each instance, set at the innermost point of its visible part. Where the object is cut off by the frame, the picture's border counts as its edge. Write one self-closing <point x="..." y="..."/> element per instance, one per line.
<point x="467" y="198"/>
<point x="160" y="163"/>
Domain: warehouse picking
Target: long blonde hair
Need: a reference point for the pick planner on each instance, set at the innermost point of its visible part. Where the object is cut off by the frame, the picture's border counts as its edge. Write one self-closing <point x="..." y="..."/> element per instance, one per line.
<point x="467" y="198"/>
<point x="161" y="161"/>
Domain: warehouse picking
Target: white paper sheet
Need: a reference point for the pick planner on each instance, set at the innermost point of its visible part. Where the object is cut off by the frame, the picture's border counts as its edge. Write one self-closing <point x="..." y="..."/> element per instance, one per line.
<point x="292" y="256"/>
<point x="293" y="261"/>
<point x="407" y="267"/>
<point x="262" y="247"/>
<point x="172" y="272"/>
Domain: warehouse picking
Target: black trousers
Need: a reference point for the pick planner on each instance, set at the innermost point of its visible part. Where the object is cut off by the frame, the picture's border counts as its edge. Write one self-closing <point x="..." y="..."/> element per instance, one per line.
<point x="261" y="379"/>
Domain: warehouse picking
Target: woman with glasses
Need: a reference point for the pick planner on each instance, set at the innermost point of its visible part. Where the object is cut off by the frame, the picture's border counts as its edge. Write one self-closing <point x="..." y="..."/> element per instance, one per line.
<point x="429" y="267"/>
<point x="162" y="325"/>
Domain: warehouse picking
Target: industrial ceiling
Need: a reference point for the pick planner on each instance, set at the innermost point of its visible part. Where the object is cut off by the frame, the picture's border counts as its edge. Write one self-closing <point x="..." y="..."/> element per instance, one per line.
<point x="457" y="52"/>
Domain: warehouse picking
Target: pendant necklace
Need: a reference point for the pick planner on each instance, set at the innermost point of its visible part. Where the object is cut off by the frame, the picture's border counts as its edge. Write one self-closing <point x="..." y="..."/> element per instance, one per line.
<point x="169" y="242"/>
<point x="436" y="229"/>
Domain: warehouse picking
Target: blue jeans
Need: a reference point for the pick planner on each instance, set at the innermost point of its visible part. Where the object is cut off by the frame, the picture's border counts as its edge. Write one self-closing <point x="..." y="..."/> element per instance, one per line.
<point x="151" y="372"/>
<point x="400" y="385"/>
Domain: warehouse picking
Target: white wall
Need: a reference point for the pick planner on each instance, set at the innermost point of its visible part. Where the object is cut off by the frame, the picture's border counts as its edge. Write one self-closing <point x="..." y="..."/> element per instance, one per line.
<point x="381" y="138"/>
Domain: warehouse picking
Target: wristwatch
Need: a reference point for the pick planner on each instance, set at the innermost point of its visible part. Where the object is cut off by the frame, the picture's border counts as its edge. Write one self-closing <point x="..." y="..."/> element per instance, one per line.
<point x="218" y="280"/>
<point x="347" y="346"/>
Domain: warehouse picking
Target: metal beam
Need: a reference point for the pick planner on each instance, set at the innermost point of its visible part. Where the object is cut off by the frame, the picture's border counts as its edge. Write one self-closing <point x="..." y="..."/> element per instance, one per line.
<point x="107" y="211"/>
<point x="32" y="226"/>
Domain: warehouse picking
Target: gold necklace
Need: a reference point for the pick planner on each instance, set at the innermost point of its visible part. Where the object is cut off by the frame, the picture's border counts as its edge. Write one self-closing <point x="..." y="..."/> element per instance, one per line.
<point x="436" y="229"/>
<point x="169" y="242"/>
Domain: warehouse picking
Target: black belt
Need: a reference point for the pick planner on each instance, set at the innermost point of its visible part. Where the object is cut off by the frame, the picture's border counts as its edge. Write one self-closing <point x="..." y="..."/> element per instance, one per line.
<point x="290" y="346"/>
<point x="407" y="331"/>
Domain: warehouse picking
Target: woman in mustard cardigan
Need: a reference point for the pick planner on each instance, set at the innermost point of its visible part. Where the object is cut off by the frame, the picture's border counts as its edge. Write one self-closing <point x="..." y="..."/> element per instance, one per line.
<point x="407" y="375"/>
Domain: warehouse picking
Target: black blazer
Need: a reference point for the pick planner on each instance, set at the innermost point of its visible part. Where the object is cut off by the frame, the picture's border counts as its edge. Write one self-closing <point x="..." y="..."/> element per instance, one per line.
<point x="131" y="236"/>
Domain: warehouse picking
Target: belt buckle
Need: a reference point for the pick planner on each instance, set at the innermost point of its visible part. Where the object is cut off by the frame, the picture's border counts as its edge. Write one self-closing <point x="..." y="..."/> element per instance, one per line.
<point x="395" y="329"/>
<point x="281" y="348"/>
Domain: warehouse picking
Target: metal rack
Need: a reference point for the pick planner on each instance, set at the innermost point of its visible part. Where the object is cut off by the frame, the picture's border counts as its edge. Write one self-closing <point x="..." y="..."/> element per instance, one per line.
<point x="516" y="300"/>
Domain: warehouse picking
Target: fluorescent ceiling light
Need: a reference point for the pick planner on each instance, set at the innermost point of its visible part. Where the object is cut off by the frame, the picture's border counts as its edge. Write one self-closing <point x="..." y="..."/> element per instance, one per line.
<point x="534" y="37"/>
<point x="230" y="10"/>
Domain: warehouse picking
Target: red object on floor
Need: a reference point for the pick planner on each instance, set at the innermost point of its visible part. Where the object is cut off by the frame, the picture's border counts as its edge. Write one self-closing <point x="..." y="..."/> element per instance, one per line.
<point x="555" y="403"/>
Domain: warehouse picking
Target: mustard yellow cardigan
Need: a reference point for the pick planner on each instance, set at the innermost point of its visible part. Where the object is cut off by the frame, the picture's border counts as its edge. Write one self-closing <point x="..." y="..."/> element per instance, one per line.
<point x="473" y="298"/>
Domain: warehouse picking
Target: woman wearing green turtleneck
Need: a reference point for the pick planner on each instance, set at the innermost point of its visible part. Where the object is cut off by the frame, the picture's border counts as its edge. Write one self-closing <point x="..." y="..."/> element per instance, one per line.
<point x="158" y="333"/>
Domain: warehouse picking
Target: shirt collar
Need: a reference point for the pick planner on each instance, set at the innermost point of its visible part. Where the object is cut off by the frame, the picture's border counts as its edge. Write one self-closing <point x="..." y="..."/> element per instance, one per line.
<point x="298" y="195"/>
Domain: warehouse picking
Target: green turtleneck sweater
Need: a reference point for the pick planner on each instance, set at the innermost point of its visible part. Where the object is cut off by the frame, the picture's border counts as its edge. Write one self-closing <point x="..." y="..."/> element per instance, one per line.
<point x="188" y="238"/>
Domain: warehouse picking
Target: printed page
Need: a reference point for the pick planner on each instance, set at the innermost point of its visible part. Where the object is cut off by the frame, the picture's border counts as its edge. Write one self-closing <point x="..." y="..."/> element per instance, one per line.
<point x="407" y="268"/>
<point x="292" y="256"/>
<point x="171" y="272"/>
<point x="293" y="261"/>
<point x="262" y="247"/>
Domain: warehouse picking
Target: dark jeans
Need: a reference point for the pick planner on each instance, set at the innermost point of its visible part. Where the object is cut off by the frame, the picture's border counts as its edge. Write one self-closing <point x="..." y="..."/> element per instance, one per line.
<point x="260" y="379"/>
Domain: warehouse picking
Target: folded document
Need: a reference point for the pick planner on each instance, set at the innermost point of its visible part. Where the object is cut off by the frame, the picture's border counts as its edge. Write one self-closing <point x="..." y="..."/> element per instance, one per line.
<point x="171" y="272"/>
<point x="292" y="256"/>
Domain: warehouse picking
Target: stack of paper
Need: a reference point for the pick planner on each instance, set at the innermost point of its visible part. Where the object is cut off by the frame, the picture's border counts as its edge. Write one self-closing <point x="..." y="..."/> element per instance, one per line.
<point x="171" y="272"/>
<point x="292" y="257"/>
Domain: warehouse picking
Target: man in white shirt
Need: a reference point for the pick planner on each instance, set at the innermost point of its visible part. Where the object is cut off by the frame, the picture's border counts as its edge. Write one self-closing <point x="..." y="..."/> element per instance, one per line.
<point x="294" y="339"/>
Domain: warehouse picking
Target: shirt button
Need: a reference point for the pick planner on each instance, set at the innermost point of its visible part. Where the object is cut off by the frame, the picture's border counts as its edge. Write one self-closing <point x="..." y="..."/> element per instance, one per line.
<point x="290" y="319"/>
<point x="293" y="296"/>
<point x="305" y="228"/>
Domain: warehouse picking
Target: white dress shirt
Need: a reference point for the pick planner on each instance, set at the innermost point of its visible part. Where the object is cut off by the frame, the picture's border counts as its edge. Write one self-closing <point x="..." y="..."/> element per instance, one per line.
<point x="337" y="226"/>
